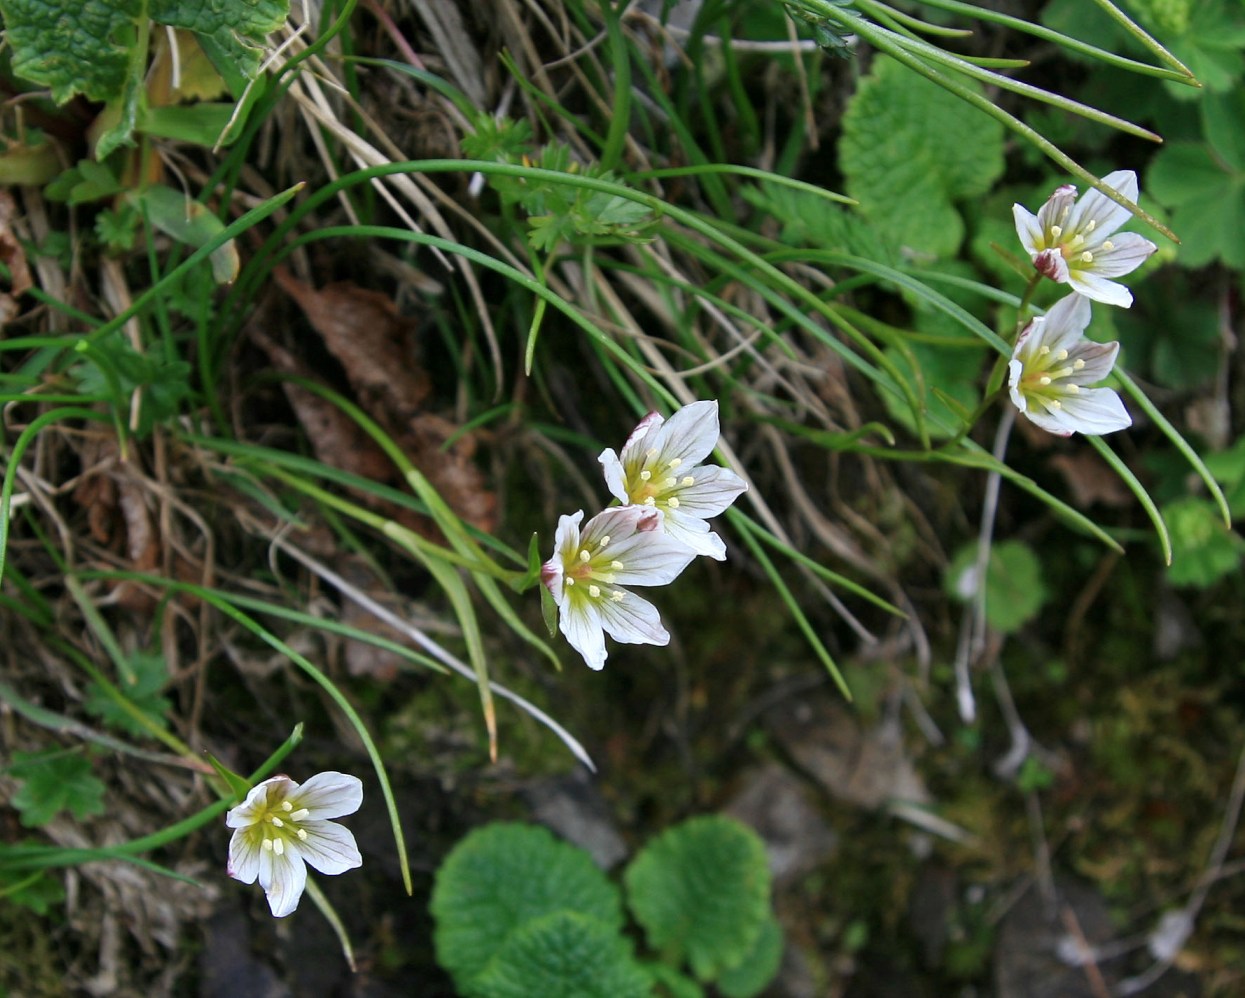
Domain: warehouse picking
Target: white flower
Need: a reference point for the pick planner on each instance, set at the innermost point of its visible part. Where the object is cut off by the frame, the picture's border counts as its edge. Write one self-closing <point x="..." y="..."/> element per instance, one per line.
<point x="659" y="468"/>
<point x="1050" y="366"/>
<point x="1069" y="242"/>
<point x="282" y="826"/>
<point x="621" y="546"/>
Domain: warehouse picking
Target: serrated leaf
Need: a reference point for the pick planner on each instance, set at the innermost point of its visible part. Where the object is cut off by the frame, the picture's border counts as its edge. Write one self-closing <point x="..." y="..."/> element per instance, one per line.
<point x="565" y="954"/>
<point x="503" y="876"/>
<point x="1203" y="549"/>
<point x="1207" y="202"/>
<point x="114" y="368"/>
<point x="150" y="674"/>
<point x="701" y="892"/>
<point x="815" y="221"/>
<point x="231" y="31"/>
<point x="1014" y="588"/>
<point x="52" y="782"/>
<point x="37" y="891"/>
<point x="909" y="151"/>
<point x="758" y="967"/>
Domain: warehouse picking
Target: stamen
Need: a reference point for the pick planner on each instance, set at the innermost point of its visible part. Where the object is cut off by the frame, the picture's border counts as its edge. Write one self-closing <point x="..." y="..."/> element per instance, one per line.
<point x="268" y="844"/>
<point x="1043" y="350"/>
<point x="645" y="475"/>
<point x="673" y="502"/>
<point x="1091" y="225"/>
<point x="1108" y="245"/>
<point x="669" y="483"/>
<point x="1043" y="380"/>
<point x="616" y="566"/>
<point x="286" y="806"/>
<point x="1055" y="404"/>
<point x="650" y="501"/>
<point x="604" y="541"/>
<point x="1087" y="257"/>
<point x="1078" y="364"/>
<point x="651" y="452"/>
<point x="302" y="835"/>
<point x="617" y="596"/>
<point x="1061" y="355"/>
<point x="688" y="481"/>
<point x="278" y="847"/>
<point x="1056" y="231"/>
<point x="675" y="462"/>
<point x="584" y="555"/>
<point x="1072" y="389"/>
<point x="594" y="592"/>
<point x="277" y="821"/>
<point x="570" y="581"/>
<point x="300" y="814"/>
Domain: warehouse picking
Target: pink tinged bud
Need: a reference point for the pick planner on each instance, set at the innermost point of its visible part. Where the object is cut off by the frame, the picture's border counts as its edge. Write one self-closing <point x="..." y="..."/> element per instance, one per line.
<point x="651" y="521"/>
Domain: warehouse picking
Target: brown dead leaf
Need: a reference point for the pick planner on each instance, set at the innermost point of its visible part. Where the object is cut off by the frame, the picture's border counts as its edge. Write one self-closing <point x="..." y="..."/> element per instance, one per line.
<point x="1091" y="479"/>
<point x="14" y="257"/>
<point x="376" y="348"/>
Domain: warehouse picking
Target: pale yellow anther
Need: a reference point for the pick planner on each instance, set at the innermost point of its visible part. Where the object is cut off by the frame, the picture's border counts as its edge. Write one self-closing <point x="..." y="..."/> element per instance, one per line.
<point x="604" y="541"/>
<point x="1091" y="225"/>
<point x="616" y="566"/>
<point x="584" y="555"/>
<point x="1087" y="257"/>
<point x="675" y="462"/>
<point x="286" y="806"/>
<point x="1055" y="404"/>
<point x="277" y="821"/>
<point x="688" y="481"/>
<point x="651" y="452"/>
<point x="617" y="596"/>
<point x="300" y="814"/>
<point x="1078" y="364"/>
<point x="669" y="483"/>
<point x="1108" y="245"/>
<point x="645" y="475"/>
<point x="1043" y="350"/>
<point x="570" y="581"/>
<point x="1056" y="231"/>
<point x="673" y="502"/>
<point x="594" y="592"/>
<point x="302" y="835"/>
<point x="278" y="847"/>
<point x="1061" y="355"/>
<point x="650" y="501"/>
<point x="1072" y="389"/>
<point x="268" y="844"/>
<point x="1043" y="380"/>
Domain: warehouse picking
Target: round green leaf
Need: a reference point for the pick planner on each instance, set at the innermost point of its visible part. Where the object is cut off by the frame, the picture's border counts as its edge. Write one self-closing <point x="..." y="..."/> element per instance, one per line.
<point x="701" y="892"/>
<point x="503" y="876"/>
<point x="564" y="955"/>
<point x="1014" y="588"/>
<point x="758" y="967"/>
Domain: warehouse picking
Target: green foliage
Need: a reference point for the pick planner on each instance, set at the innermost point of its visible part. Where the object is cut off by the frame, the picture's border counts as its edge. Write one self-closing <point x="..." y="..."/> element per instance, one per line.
<point x="503" y="877"/>
<point x="150" y="674"/>
<point x="519" y="913"/>
<point x="1172" y="335"/>
<point x="1228" y="467"/>
<point x="809" y="220"/>
<point x="1203" y="184"/>
<point x="1015" y="591"/>
<point x="98" y="48"/>
<point x="909" y="151"/>
<point x="701" y="891"/>
<point x="1204" y="550"/>
<point x="565" y="954"/>
<point x="37" y="891"/>
<point x="52" y="782"/>
<point x="113" y="368"/>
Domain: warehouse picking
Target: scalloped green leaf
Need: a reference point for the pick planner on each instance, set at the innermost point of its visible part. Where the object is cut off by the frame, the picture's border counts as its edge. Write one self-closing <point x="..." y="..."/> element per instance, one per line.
<point x="701" y="891"/>
<point x="1015" y="592"/>
<point x="909" y="151"/>
<point x="758" y="966"/>
<point x="503" y="876"/>
<point x="1203" y="549"/>
<point x="52" y="782"/>
<point x="565" y="954"/>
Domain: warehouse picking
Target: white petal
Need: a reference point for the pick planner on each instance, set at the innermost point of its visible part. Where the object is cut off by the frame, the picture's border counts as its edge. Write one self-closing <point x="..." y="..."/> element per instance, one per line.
<point x="567" y="536"/>
<point x="1099" y="360"/>
<point x="633" y="621"/>
<point x="1096" y="411"/>
<point x="714" y="490"/>
<point x="1092" y="286"/>
<point x="283" y="879"/>
<point x="553" y="576"/>
<point x="1128" y="252"/>
<point x="1028" y="229"/>
<point x="1056" y="208"/>
<point x="1108" y="215"/>
<point x="244" y="850"/>
<point x="650" y="558"/>
<point x="274" y="788"/>
<point x="580" y="622"/>
<point x="638" y="442"/>
<point x="329" y="795"/>
<point x="689" y="435"/>
<point x="615" y="475"/>
<point x="1052" y="421"/>
<point x="1063" y="326"/>
<point x="329" y="847"/>
<point x="695" y="534"/>
<point x="1050" y="263"/>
